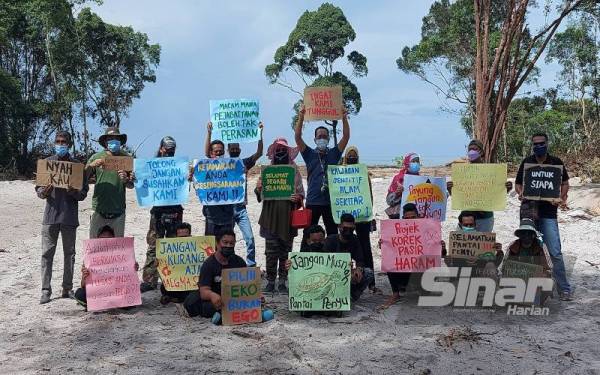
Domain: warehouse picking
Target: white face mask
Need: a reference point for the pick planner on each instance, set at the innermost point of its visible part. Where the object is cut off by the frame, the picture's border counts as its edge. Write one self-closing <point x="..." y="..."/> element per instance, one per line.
<point x="322" y="143"/>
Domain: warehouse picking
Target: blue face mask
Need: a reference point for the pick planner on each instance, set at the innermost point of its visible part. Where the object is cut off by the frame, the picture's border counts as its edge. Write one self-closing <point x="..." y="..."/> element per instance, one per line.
<point x="61" y="150"/>
<point x="114" y="146"/>
<point x="414" y="168"/>
<point x="468" y="229"/>
<point x="540" y="150"/>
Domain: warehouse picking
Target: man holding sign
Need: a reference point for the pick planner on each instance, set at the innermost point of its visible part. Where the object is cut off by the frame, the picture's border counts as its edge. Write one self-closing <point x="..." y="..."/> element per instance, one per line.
<point x="544" y="213"/>
<point x="61" y="216"/>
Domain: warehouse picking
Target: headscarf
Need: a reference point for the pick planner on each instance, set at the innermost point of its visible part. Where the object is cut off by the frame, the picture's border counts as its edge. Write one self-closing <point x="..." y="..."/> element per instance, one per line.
<point x="281" y="141"/>
<point x="348" y="149"/>
<point x="398" y="179"/>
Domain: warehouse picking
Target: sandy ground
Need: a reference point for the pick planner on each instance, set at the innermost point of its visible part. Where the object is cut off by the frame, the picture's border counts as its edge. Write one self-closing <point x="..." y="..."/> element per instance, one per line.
<point x="60" y="338"/>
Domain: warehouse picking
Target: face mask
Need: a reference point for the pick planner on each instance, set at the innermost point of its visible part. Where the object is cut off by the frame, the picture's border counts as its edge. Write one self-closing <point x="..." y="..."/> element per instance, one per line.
<point x="169" y="154"/>
<point x="219" y="155"/>
<point x="281" y="158"/>
<point x="352" y="160"/>
<point x="468" y="229"/>
<point x="114" y="146"/>
<point x="234" y="154"/>
<point x="322" y="143"/>
<point x="473" y="155"/>
<point x="347" y="233"/>
<point x="61" y="150"/>
<point x="414" y="167"/>
<point x="316" y="247"/>
<point x="227" y="252"/>
<point x="540" y="150"/>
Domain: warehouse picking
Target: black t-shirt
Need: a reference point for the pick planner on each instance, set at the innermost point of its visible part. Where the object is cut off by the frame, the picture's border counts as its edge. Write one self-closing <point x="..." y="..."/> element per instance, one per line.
<point x="545" y="209"/>
<point x="334" y="245"/>
<point x="210" y="272"/>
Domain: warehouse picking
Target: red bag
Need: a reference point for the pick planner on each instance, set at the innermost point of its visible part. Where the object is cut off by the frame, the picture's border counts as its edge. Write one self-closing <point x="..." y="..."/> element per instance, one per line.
<point x="301" y="217"/>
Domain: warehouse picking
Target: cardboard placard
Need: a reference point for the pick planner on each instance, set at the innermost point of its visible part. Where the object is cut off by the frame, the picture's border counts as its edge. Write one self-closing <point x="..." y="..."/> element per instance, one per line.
<point x="521" y="270"/>
<point x="413" y="245"/>
<point x="180" y="260"/>
<point x="60" y="174"/>
<point x="278" y="182"/>
<point x="479" y="187"/>
<point x="323" y="103"/>
<point x="542" y="182"/>
<point x="472" y="246"/>
<point x="319" y="281"/>
<point x="241" y="296"/>
<point x="220" y="181"/>
<point x="161" y="181"/>
<point x="349" y="192"/>
<point x="113" y="280"/>
<point x="235" y="120"/>
<point x="428" y="193"/>
<point x="118" y="163"/>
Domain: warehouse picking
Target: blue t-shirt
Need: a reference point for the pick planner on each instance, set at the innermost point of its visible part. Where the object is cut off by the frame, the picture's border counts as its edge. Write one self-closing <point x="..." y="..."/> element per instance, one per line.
<point x="316" y="166"/>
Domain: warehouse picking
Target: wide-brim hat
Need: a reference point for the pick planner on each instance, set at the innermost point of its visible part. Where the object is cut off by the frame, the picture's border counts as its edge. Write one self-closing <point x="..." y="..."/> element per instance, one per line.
<point x="292" y="151"/>
<point x="527" y="225"/>
<point x="112" y="132"/>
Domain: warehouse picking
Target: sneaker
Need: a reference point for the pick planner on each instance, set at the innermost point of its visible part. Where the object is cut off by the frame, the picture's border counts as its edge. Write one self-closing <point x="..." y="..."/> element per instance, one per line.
<point x="216" y="319"/>
<point x="146" y="287"/>
<point x="67" y="293"/>
<point x="281" y="288"/>
<point x="45" y="296"/>
<point x="566" y="296"/>
<point x="270" y="288"/>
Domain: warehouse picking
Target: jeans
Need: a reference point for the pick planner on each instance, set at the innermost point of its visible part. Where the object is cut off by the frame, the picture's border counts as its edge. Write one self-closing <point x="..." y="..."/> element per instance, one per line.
<point x="485" y="225"/>
<point x="551" y="235"/>
<point x="356" y="289"/>
<point x="276" y="252"/>
<point x="212" y="229"/>
<point x="240" y="215"/>
<point x="195" y="306"/>
<point x="49" y="239"/>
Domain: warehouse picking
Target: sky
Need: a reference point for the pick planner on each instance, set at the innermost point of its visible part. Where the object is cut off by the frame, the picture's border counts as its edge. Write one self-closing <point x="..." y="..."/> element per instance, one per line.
<point x="218" y="50"/>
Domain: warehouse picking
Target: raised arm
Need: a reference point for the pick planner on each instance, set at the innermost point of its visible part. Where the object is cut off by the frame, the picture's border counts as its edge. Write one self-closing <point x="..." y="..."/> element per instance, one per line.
<point x="298" y="130"/>
<point x="345" y="132"/>
<point x="259" y="148"/>
<point x="208" y="138"/>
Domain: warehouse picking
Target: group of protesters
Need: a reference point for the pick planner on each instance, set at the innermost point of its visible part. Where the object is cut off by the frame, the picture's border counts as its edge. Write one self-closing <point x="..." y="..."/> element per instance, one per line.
<point x="537" y="236"/>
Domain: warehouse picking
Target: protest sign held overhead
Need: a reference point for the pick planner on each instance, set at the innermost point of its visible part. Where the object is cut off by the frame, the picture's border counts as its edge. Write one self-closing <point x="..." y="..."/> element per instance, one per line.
<point x="118" y="163"/>
<point x="323" y="103"/>
<point x="60" y="174"/>
<point x="479" y="187"/>
<point x="220" y="181"/>
<point x="413" y="245"/>
<point x="278" y="182"/>
<point x="241" y="295"/>
<point x="472" y="246"/>
<point x="161" y="181"/>
<point x="180" y="260"/>
<point x="350" y="192"/>
<point x="113" y="280"/>
<point x="542" y="182"/>
<point x="427" y="193"/>
<point x="235" y="120"/>
<point x="319" y="281"/>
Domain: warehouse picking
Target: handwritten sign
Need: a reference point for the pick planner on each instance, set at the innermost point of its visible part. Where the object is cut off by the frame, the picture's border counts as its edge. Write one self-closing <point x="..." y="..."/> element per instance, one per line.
<point x="319" y="282"/>
<point x="113" y="281"/>
<point x="118" y="163"/>
<point x="220" y="181"/>
<point x="161" y="181"/>
<point x="235" y="121"/>
<point x="278" y="182"/>
<point x="241" y="295"/>
<point x="60" y="174"/>
<point x="349" y="192"/>
<point x="180" y="260"/>
<point x="479" y="187"/>
<point x="323" y="103"/>
<point x="472" y="246"/>
<point x="410" y="245"/>
<point x="427" y="193"/>
<point x="521" y="270"/>
<point x="542" y="182"/>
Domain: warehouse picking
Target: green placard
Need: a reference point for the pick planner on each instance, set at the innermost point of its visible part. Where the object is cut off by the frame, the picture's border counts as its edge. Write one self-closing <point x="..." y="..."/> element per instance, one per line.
<point x="278" y="182"/>
<point x="319" y="282"/>
<point x="521" y="270"/>
<point x="349" y="192"/>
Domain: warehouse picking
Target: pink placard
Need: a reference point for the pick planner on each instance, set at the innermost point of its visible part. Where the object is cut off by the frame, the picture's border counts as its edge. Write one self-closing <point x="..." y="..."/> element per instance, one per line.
<point x="410" y="245"/>
<point x="113" y="281"/>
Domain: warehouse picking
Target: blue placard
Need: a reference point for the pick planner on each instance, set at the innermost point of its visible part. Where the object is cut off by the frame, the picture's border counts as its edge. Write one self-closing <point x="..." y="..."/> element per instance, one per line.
<point x="161" y="181"/>
<point x="220" y="181"/>
<point x="235" y="120"/>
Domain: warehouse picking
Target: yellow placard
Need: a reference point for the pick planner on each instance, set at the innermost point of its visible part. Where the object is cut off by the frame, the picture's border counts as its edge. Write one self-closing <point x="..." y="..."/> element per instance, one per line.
<point x="180" y="260"/>
<point x="479" y="187"/>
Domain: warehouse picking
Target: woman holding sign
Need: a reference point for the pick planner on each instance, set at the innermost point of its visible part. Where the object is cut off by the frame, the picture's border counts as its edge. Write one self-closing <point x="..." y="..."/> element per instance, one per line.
<point x="275" y="226"/>
<point x="410" y="165"/>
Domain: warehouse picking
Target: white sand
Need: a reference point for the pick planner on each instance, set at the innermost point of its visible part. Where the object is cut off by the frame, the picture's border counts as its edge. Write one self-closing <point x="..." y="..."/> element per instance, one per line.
<point x="60" y="338"/>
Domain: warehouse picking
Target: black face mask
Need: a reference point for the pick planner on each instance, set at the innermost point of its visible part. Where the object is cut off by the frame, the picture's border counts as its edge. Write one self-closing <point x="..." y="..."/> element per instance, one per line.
<point x="281" y="158"/>
<point x="227" y="252"/>
<point x="234" y="154"/>
<point x="168" y="154"/>
<point x="352" y="160"/>
<point x="316" y="247"/>
<point x="347" y="233"/>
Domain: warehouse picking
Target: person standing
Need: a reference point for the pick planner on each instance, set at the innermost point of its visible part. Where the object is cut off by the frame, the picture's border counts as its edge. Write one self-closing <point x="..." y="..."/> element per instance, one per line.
<point x="240" y="213"/>
<point x="108" y="202"/>
<point x="163" y="223"/>
<point x="410" y="165"/>
<point x="61" y="216"/>
<point x="317" y="160"/>
<point x="545" y="213"/>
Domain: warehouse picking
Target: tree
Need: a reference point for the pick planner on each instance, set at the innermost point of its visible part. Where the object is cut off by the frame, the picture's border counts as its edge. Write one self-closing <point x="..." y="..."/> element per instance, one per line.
<point x="314" y="46"/>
